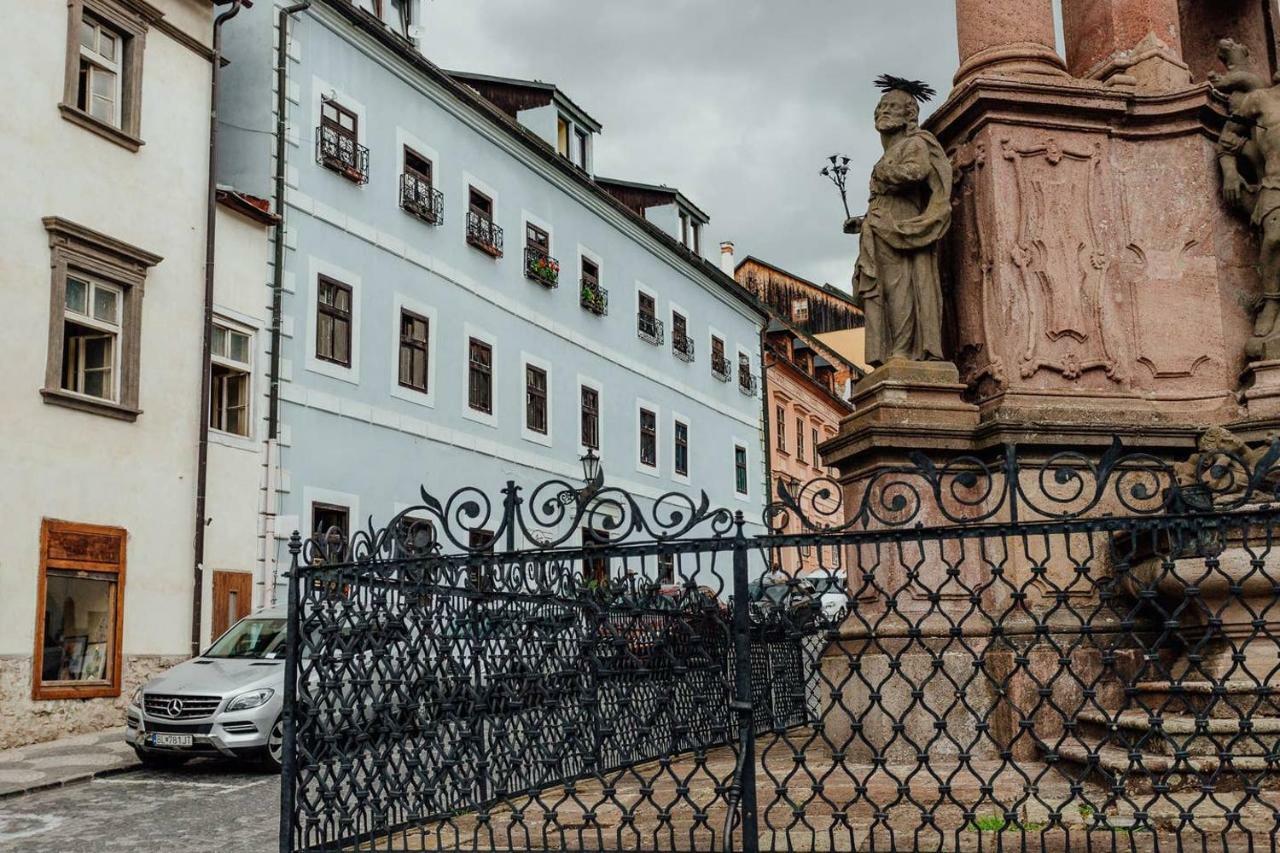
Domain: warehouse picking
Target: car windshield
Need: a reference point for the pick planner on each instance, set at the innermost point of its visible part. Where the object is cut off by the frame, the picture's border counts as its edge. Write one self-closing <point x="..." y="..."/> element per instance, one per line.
<point x="826" y="583"/>
<point x="251" y="638"/>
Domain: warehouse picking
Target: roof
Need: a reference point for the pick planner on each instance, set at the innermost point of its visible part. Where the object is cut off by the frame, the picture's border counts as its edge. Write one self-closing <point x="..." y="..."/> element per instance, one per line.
<point x="778" y="323"/>
<point x="578" y="114"/>
<point x="825" y="288"/>
<point x="659" y="189"/>
<point x="538" y="146"/>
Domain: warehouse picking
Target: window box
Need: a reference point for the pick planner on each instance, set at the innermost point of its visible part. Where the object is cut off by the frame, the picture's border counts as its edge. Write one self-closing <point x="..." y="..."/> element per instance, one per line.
<point x="593" y="297"/>
<point x="682" y="346"/>
<point x="337" y="143"/>
<point x="649" y="328"/>
<point x="421" y="199"/>
<point x="484" y="234"/>
<point x="541" y="267"/>
<point x="747" y="382"/>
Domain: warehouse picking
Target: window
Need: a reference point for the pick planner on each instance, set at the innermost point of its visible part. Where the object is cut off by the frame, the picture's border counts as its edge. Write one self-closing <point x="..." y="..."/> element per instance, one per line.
<point x="536" y="238"/>
<point x="813" y="434"/>
<point x="593" y="297"/>
<point x="580" y="148"/>
<point x="91" y="339"/>
<point x="94" y="340"/>
<point x="231" y="377"/>
<point x="684" y="229"/>
<point x="481" y="230"/>
<point x="719" y="364"/>
<point x="800" y="310"/>
<point x="590" y="418"/>
<point x="480" y="377"/>
<point x="696" y="228"/>
<point x="562" y="137"/>
<point x="666" y="569"/>
<point x="397" y="16"/>
<point x="103" y="87"/>
<point x="799" y="440"/>
<point x="780" y="438"/>
<point x="535" y="396"/>
<point x="648" y="326"/>
<point x="746" y="380"/>
<point x="333" y="321"/>
<point x="595" y="570"/>
<point x="79" y="611"/>
<point x="327" y="518"/>
<point x="415" y="333"/>
<point x="740" y="468"/>
<point x="538" y="263"/>
<point x="681" y="343"/>
<point x="682" y="448"/>
<point x="648" y="438"/>
<point x="417" y="192"/>
<point x="339" y="141"/>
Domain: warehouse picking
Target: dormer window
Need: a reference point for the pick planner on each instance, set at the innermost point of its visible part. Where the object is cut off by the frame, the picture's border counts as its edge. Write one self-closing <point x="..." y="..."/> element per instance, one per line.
<point x="562" y="137"/>
<point x="800" y="310"/>
<point x="690" y="233"/>
<point x="581" y="146"/>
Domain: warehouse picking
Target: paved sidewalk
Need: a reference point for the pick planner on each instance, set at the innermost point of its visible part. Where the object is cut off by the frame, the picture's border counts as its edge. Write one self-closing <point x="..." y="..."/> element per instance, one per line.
<point x="60" y="762"/>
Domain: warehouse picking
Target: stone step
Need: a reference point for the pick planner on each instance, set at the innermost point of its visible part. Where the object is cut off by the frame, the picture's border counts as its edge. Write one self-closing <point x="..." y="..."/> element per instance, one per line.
<point x="1224" y="699"/>
<point x="1145" y="773"/>
<point x="1170" y="734"/>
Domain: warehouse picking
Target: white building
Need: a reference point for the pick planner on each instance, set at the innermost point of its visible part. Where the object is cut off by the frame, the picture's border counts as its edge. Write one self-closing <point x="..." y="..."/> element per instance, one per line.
<point x="102" y="251"/>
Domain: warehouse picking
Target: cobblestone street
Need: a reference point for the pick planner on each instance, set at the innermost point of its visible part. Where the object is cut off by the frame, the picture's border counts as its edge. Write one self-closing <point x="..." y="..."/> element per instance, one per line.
<point x="204" y="806"/>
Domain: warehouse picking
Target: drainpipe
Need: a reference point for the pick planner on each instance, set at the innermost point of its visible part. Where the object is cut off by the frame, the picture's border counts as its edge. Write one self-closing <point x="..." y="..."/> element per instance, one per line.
<point x="277" y="290"/>
<point x="202" y="457"/>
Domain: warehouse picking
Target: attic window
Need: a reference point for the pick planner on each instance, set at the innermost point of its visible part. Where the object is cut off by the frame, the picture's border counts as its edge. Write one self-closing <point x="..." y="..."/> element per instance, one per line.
<point x="580" y="147"/>
<point x="562" y="137"/>
<point x="800" y="310"/>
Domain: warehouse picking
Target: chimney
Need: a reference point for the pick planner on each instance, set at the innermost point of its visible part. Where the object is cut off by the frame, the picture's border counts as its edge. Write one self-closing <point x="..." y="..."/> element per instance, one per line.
<point x="726" y="258"/>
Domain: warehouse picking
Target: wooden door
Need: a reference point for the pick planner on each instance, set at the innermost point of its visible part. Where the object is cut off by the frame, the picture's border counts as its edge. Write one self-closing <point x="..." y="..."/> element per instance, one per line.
<point x="232" y="599"/>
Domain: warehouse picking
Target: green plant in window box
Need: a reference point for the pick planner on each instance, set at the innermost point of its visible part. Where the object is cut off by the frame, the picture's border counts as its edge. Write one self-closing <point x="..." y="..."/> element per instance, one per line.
<point x="545" y="269"/>
<point x="592" y="299"/>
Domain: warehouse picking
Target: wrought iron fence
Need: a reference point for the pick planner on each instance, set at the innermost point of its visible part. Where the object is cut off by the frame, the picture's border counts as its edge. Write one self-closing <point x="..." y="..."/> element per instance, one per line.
<point x="342" y="154"/>
<point x="682" y="346"/>
<point x="418" y="197"/>
<point x="484" y="233"/>
<point x="1055" y="652"/>
<point x="649" y="328"/>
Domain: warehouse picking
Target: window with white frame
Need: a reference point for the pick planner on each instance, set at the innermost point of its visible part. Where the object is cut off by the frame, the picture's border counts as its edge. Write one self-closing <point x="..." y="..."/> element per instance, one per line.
<point x="740" y="469"/>
<point x="681" y="448"/>
<point x="230" y="373"/>
<point x="91" y="338"/>
<point x="100" y="88"/>
<point x="648" y="438"/>
<point x="535" y="399"/>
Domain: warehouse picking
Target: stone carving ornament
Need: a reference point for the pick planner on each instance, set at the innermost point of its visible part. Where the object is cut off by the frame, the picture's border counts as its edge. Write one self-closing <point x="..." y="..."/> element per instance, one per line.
<point x="896" y="282"/>
<point x="1249" y="155"/>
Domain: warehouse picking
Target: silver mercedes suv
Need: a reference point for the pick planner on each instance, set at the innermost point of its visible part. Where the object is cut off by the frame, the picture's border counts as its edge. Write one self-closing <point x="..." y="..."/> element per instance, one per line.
<point x="226" y="702"/>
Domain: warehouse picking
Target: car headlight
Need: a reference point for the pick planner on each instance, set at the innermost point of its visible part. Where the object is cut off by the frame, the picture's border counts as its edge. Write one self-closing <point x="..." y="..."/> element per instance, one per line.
<point x="252" y="699"/>
<point x="136" y="701"/>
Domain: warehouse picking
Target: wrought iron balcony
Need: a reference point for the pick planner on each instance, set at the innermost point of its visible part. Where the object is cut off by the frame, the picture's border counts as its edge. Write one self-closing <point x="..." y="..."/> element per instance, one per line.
<point x="594" y="297"/>
<point x="747" y="382"/>
<point x="342" y="154"/>
<point x="649" y="328"/>
<point x="541" y="267"/>
<point x="682" y="346"/>
<point x="421" y="199"/>
<point x="484" y="234"/>
<point x="720" y="368"/>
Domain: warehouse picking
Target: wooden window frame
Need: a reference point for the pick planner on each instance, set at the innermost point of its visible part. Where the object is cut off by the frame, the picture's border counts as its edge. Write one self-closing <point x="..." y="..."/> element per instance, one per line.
<point x="813" y="435"/>
<point x="681" y="469"/>
<point x="336" y="314"/>
<point x="582" y="148"/>
<point x="79" y="251"/>
<point x="780" y="428"/>
<point x="536" y="399"/>
<point x="799" y="439"/>
<point x="130" y="19"/>
<point x="650" y="434"/>
<point x="230" y="364"/>
<point x="589" y="415"/>
<point x="324" y="506"/>
<point x="427" y="175"/>
<point x="49" y="529"/>
<point x="538" y="239"/>
<point x="424" y="346"/>
<point x="475" y="370"/>
<point x="741" y="471"/>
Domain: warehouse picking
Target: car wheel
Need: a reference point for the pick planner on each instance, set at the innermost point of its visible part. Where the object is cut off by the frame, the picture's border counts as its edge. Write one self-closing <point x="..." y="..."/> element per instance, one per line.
<point x="160" y="759"/>
<point x="273" y="755"/>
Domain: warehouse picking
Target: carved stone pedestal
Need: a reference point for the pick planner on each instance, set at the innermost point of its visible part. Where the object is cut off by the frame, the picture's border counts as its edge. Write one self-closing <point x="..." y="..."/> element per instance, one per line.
<point x="906" y="405"/>
<point x="1263" y="398"/>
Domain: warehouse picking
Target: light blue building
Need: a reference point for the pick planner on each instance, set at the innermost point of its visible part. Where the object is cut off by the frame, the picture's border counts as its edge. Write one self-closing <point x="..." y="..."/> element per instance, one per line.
<point x="461" y="302"/>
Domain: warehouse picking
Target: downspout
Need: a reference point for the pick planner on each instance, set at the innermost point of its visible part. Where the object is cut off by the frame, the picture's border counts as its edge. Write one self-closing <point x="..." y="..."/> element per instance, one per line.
<point x="764" y="409"/>
<point x="277" y="290"/>
<point x="202" y="455"/>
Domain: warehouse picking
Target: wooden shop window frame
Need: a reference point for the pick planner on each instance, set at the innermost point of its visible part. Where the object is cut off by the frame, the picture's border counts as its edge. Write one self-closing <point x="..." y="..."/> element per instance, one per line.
<point x="83" y="565"/>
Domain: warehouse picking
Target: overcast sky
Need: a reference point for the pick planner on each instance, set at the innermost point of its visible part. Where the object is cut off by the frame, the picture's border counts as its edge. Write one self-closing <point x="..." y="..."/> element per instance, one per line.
<point x="736" y="102"/>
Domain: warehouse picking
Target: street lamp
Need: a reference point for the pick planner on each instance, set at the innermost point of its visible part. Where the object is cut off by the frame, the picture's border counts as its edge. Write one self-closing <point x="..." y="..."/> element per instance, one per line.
<point x="590" y="467"/>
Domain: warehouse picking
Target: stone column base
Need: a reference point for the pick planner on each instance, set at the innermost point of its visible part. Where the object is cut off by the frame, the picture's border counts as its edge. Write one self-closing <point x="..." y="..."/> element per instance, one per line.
<point x="1263" y="399"/>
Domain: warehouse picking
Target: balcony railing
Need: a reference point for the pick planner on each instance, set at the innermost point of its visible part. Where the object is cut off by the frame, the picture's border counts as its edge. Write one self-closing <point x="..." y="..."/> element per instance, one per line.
<point x="649" y="328"/>
<point x="720" y="368"/>
<point x="682" y="346"/>
<point x="342" y="154"/>
<point x="484" y="234"/>
<point x="541" y="267"/>
<point x="594" y="297"/>
<point x="747" y="381"/>
<point x="421" y="199"/>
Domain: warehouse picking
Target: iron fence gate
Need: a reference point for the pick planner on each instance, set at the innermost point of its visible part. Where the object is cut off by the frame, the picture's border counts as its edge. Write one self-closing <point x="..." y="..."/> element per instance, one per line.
<point x="1055" y="653"/>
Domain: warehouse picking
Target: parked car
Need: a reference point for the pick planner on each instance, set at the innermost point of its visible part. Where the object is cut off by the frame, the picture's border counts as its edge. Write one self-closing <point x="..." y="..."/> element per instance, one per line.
<point x="226" y="702"/>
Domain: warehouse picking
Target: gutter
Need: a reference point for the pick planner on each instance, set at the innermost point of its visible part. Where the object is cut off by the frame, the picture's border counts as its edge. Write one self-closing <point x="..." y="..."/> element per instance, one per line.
<point x="211" y="221"/>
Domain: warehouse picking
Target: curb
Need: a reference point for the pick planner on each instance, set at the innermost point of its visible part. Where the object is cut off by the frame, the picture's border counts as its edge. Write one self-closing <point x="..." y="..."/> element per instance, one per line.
<point x="71" y="780"/>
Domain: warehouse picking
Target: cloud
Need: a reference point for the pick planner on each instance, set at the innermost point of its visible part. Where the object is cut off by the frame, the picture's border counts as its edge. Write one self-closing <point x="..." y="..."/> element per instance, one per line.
<point x="736" y="102"/>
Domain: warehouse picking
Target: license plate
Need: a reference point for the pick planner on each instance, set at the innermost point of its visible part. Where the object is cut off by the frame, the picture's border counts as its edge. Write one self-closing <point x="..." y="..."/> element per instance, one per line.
<point x="168" y="740"/>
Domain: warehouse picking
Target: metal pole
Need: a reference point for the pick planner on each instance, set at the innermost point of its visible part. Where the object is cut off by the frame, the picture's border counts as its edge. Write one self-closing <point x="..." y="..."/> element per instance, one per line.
<point x="289" y="759"/>
<point x="742" y="691"/>
<point x="509" y="504"/>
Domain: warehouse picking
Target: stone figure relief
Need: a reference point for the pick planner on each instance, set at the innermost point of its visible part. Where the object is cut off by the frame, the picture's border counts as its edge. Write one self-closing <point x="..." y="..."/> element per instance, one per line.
<point x="1249" y="156"/>
<point x="896" y="282"/>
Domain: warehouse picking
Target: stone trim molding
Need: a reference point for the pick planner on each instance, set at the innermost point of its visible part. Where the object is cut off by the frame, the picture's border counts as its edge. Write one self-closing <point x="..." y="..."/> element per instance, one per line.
<point x="133" y="17"/>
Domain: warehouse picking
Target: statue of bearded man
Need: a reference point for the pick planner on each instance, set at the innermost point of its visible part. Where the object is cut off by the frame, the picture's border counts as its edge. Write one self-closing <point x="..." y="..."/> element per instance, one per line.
<point x="896" y="282"/>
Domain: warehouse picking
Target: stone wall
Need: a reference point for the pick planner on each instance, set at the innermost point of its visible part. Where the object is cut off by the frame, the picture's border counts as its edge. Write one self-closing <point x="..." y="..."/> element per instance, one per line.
<point x="24" y="721"/>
